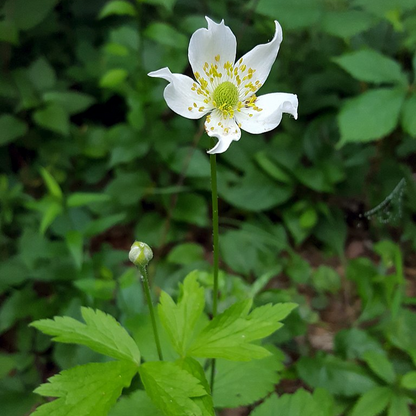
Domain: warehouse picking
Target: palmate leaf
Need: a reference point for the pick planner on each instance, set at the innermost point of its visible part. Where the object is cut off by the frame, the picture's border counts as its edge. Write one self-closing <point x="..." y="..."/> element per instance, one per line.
<point x="179" y="319"/>
<point x="174" y="389"/>
<point x="86" y="390"/>
<point x="229" y="335"/>
<point x="101" y="332"/>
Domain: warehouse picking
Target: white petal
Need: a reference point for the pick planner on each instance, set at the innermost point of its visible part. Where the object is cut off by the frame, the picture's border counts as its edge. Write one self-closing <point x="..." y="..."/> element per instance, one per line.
<point x="260" y="59"/>
<point x="215" y="45"/>
<point x="273" y="106"/>
<point x="226" y="130"/>
<point x="180" y="97"/>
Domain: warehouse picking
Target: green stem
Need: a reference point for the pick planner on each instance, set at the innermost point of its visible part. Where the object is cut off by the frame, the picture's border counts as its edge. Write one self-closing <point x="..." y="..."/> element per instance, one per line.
<point x="214" y="193"/>
<point x="146" y="286"/>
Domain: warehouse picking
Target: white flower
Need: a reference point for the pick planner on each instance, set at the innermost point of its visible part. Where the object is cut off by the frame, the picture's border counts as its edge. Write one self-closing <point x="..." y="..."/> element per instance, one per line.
<point x="226" y="89"/>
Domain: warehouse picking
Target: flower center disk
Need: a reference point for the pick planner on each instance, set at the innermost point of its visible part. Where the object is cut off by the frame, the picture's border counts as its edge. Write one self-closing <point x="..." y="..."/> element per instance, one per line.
<point x="225" y="97"/>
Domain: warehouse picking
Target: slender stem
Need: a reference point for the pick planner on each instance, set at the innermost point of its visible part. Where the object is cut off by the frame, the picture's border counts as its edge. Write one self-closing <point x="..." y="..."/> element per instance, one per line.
<point x="146" y="286"/>
<point x="213" y="161"/>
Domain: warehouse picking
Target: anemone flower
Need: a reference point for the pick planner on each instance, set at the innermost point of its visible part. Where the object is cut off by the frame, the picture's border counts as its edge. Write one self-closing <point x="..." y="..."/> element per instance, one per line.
<point x="225" y="89"/>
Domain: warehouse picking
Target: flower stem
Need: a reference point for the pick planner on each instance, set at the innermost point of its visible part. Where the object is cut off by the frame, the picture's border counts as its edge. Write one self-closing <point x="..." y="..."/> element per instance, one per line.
<point x="214" y="193"/>
<point x="145" y="280"/>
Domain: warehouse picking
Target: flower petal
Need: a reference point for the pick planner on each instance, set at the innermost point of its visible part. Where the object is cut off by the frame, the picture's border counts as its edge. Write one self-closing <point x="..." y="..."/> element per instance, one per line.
<point x="215" y="45"/>
<point x="273" y="106"/>
<point x="260" y="60"/>
<point x="179" y="95"/>
<point x="226" y="130"/>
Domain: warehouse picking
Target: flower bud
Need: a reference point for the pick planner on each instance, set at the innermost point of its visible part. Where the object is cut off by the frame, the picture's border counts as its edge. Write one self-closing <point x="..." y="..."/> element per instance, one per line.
<point x="140" y="254"/>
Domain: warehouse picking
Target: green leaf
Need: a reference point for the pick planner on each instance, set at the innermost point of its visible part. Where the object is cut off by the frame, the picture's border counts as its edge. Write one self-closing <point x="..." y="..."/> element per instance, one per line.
<point x="191" y="208"/>
<point x="54" y="118"/>
<point x="172" y="388"/>
<point x="102" y="333"/>
<point x="78" y="199"/>
<point x="229" y="334"/>
<point x="371" y="115"/>
<point x="42" y="74"/>
<point x="399" y="406"/>
<point x="260" y="378"/>
<point x="179" y="320"/>
<point x="373" y="402"/>
<point x="29" y="14"/>
<point x="408" y="115"/>
<point x="113" y="77"/>
<point x="117" y="7"/>
<point x="326" y="279"/>
<point x="52" y="211"/>
<point x="382" y="7"/>
<point x="75" y="242"/>
<point x="409" y="380"/>
<point x="137" y="403"/>
<point x="98" y="226"/>
<point x="166" y="35"/>
<point x="301" y="403"/>
<point x="380" y="365"/>
<point x="11" y="128"/>
<point x="186" y="253"/>
<point x="51" y="183"/>
<point x="346" y="23"/>
<point x="90" y="389"/>
<point x="371" y="66"/>
<point x="72" y="101"/>
<point x="9" y="32"/>
<point x="335" y="375"/>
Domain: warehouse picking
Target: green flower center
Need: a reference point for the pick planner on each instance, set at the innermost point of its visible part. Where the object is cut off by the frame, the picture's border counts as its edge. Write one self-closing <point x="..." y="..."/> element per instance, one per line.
<point x="225" y="97"/>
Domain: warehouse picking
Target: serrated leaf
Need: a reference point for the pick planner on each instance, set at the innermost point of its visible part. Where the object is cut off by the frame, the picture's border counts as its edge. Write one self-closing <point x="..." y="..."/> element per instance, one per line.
<point x="117" y="7"/>
<point x="171" y="388"/>
<point x="260" y="378"/>
<point x="301" y="403"/>
<point x="101" y="332"/>
<point x="380" y="365"/>
<point x="371" y="115"/>
<point x="78" y="199"/>
<point x="179" y="319"/>
<point x="11" y="128"/>
<point x="89" y="389"/>
<point x="137" y="403"/>
<point x="373" y="402"/>
<point x="371" y="66"/>
<point x="229" y="334"/>
<point x="408" y="115"/>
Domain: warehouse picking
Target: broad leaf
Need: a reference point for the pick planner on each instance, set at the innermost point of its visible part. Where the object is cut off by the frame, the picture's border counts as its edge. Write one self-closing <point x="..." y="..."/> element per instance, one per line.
<point x="399" y="406"/>
<point x="372" y="115"/>
<point x="373" y="402"/>
<point x="53" y="117"/>
<point x="229" y="334"/>
<point x="11" y="128"/>
<point x="408" y="115"/>
<point x="117" y="7"/>
<point x="260" y="378"/>
<point x="89" y="389"/>
<point x="137" y="403"/>
<point x="171" y="388"/>
<point x="179" y="319"/>
<point x="102" y="333"/>
<point x="371" y="66"/>
<point x="380" y="365"/>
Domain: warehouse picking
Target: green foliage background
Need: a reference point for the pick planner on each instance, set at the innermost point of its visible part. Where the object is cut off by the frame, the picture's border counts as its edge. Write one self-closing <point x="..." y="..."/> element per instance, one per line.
<point x="91" y="158"/>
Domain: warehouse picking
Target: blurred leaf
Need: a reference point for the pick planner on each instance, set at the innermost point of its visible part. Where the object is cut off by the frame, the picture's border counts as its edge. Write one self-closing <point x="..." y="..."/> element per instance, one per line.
<point x="326" y="279"/>
<point x="74" y="242"/>
<point x="408" y="381"/>
<point x="97" y="288"/>
<point x="373" y="402"/>
<point x="168" y="4"/>
<point x="136" y="403"/>
<point x="78" y="199"/>
<point x="9" y="32"/>
<point x="53" y="117"/>
<point x="42" y="74"/>
<point x="186" y="253"/>
<point x="72" y="101"/>
<point x="52" y="185"/>
<point x="346" y="23"/>
<point x="380" y="365"/>
<point x="29" y="14"/>
<point x="53" y="209"/>
<point x="260" y="378"/>
<point x="191" y="161"/>
<point x="166" y="35"/>
<point x="408" y="115"/>
<point x="382" y="7"/>
<point x="11" y="128"/>
<point x="99" y="225"/>
<point x="371" y="66"/>
<point x="372" y="115"/>
<point x="117" y="7"/>
<point x="192" y="209"/>
<point x="272" y="169"/>
<point x="399" y="406"/>
<point x="113" y="77"/>
<point x="337" y="376"/>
